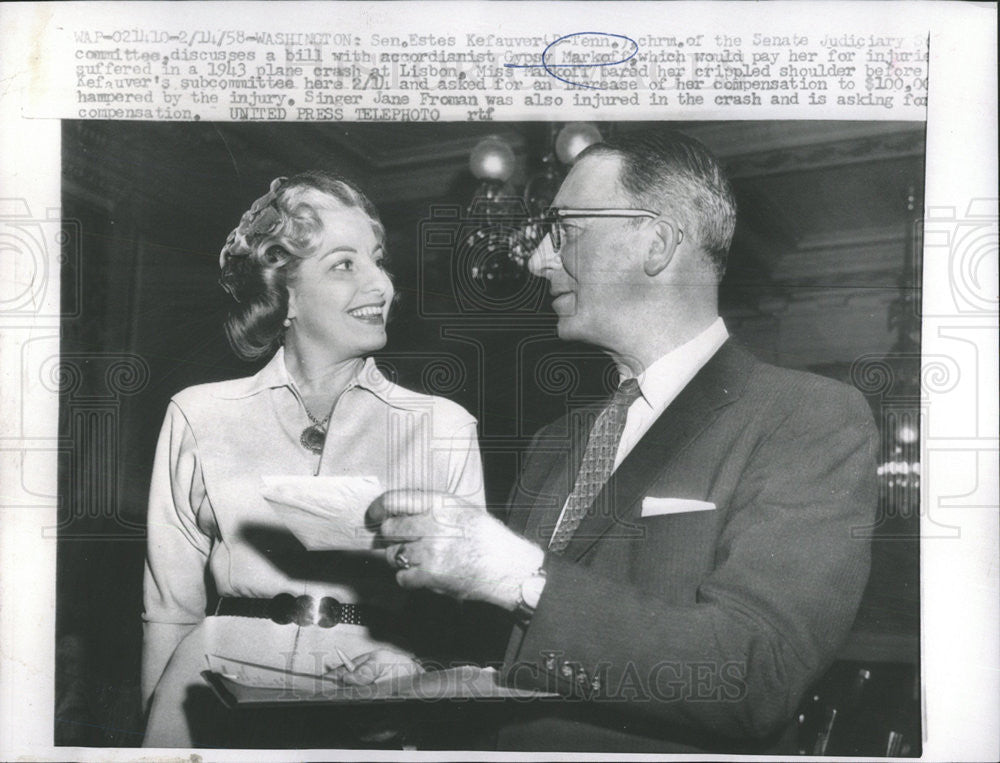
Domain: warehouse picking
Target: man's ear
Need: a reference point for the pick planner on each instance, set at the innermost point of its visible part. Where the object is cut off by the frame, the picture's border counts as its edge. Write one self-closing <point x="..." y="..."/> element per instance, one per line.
<point x="661" y="248"/>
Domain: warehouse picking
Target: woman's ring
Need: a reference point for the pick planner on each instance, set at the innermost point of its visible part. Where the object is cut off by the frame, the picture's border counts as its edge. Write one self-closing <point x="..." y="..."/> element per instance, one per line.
<point x="402" y="563"/>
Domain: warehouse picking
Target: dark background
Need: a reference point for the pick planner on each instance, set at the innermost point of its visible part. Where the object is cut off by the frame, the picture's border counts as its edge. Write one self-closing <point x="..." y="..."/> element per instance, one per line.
<point x="819" y="279"/>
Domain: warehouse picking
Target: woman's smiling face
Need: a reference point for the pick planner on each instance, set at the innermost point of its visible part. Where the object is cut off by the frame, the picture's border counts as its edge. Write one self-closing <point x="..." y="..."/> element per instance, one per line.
<point x="339" y="297"/>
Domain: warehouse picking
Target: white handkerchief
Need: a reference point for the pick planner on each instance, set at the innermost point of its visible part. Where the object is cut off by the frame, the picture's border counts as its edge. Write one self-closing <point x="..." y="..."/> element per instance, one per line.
<point x="654" y="507"/>
<point x="324" y="513"/>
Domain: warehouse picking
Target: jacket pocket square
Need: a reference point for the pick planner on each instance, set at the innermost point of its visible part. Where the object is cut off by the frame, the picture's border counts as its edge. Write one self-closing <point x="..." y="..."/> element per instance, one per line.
<point x="654" y="507"/>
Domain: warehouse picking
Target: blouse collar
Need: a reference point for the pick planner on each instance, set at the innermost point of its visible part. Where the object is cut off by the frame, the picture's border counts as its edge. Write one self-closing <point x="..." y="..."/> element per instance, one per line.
<point x="275" y="375"/>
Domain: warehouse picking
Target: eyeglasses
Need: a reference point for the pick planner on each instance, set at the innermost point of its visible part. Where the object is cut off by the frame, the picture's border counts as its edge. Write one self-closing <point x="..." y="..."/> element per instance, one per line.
<point x="550" y="223"/>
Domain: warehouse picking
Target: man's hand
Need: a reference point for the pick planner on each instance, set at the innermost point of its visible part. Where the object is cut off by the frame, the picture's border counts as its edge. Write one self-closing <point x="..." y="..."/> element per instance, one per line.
<point x="454" y="547"/>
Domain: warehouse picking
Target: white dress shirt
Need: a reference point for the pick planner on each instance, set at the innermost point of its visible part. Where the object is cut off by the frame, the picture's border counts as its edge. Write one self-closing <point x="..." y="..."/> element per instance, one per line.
<point x="663" y="381"/>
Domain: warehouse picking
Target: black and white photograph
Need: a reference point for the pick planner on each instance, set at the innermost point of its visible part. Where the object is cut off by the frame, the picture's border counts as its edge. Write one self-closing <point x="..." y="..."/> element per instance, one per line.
<point x="498" y="381"/>
<point x="364" y="444"/>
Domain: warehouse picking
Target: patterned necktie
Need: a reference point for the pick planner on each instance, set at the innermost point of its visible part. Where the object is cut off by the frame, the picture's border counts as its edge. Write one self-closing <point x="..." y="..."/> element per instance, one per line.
<point x="597" y="465"/>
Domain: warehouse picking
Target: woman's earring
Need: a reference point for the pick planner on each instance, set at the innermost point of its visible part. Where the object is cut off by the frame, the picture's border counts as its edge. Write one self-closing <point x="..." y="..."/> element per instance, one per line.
<point x="288" y="322"/>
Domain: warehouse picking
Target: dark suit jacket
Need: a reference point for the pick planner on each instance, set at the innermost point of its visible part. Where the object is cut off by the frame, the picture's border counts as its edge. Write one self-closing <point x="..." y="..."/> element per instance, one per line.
<point x="698" y="631"/>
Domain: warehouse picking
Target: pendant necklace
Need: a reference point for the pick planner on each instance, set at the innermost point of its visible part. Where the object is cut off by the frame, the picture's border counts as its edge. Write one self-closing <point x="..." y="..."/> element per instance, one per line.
<point x="313" y="436"/>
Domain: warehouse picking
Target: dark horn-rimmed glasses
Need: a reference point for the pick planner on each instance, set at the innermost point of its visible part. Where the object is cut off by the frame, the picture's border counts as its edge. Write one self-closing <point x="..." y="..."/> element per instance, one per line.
<point x="550" y="223"/>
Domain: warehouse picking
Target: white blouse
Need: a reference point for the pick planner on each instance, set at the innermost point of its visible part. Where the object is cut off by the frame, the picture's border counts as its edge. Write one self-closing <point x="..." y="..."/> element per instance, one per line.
<point x="207" y="512"/>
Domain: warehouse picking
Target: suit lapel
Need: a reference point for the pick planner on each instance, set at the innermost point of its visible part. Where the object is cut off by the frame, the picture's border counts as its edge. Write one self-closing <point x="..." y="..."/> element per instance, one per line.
<point x="719" y="383"/>
<point x="564" y="463"/>
<point x="546" y="507"/>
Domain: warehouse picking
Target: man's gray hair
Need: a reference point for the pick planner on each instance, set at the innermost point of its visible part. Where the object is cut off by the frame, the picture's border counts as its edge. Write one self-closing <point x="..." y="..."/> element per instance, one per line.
<point x="664" y="170"/>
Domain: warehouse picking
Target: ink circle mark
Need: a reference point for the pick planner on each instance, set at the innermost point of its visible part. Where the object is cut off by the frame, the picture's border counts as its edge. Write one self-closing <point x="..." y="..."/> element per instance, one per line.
<point x="549" y="67"/>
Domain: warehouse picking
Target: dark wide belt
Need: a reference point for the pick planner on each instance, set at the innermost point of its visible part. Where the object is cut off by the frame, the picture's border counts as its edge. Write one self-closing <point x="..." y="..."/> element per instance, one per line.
<point x="301" y="610"/>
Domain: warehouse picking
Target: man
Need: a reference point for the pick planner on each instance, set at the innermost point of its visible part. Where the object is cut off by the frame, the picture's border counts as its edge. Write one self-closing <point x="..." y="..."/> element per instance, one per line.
<point x="687" y="601"/>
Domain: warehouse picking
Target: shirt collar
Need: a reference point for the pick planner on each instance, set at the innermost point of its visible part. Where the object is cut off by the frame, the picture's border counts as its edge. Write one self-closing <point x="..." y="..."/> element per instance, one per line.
<point x="663" y="379"/>
<point x="275" y="375"/>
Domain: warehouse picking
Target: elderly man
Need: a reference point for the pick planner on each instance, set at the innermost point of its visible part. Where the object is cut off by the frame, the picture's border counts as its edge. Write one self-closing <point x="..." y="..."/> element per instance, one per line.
<point x="682" y="566"/>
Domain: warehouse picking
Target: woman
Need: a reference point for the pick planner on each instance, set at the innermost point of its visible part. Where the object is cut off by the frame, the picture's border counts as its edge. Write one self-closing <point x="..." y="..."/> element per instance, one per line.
<point x="306" y="267"/>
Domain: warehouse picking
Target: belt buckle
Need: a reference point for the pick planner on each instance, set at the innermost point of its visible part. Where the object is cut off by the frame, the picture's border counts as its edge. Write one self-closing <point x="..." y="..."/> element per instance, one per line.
<point x="281" y="608"/>
<point x="328" y="612"/>
<point x="304" y="610"/>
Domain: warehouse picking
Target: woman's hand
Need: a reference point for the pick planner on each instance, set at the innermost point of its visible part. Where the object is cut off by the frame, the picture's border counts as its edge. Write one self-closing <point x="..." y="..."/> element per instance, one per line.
<point x="376" y="665"/>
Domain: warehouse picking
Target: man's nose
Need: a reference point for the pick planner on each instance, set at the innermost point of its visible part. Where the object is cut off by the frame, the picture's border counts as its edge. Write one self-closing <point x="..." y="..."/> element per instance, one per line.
<point x="543" y="259"/>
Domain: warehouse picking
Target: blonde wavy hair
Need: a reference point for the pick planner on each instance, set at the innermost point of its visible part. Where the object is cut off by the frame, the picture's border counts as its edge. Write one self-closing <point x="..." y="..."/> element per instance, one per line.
<point x="262" y="253"/>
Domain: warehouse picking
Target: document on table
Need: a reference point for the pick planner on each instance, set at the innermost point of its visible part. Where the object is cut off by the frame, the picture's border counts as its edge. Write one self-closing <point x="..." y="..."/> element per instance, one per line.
<point x="244" y="684"/>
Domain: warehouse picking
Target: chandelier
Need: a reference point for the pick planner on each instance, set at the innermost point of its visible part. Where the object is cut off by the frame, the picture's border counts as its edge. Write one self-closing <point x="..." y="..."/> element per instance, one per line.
<point x="894" y="380"/>
<point x="500" y="212"/>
